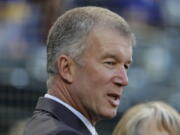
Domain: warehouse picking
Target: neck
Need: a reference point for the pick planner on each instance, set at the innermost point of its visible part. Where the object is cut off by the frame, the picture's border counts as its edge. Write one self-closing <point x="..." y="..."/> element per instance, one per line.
<point x="60" y="89"/>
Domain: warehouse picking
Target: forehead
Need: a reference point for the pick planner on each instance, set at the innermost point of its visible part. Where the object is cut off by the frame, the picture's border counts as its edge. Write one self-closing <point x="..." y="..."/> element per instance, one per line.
<point x="103" y="41"/>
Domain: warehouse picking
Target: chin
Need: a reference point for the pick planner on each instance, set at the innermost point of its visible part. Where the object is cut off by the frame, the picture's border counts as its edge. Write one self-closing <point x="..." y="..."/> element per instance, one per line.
<point x="110" y="114"/>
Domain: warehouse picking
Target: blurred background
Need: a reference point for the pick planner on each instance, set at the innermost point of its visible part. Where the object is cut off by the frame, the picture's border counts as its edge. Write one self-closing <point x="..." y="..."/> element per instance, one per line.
<point x="24" y="24"/>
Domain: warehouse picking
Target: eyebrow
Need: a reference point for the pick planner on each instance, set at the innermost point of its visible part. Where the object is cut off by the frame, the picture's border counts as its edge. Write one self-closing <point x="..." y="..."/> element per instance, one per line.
<point x="115" y="57"/>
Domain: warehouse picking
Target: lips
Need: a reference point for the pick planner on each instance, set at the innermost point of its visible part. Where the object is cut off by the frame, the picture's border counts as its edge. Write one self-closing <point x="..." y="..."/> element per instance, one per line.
<point x="114" y="99"/>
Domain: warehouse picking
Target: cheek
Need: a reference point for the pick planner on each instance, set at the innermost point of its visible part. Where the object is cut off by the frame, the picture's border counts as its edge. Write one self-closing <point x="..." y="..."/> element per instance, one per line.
<point x="94" y="83"/>
<point x="95" y="80"/>
<point x="99" y="75"/>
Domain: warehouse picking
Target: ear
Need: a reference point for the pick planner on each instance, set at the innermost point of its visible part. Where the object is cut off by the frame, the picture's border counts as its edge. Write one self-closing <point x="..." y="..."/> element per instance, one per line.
<point x="64" y="64"/>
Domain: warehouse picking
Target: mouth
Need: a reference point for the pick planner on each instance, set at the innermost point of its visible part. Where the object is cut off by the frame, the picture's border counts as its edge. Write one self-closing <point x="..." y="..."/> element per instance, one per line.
<point x="114" y="99"/>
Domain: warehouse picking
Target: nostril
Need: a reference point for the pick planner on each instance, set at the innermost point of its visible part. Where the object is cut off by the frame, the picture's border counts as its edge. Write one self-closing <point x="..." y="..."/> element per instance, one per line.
<point x="118" y="84"/>
<point x="117" y="81"/>
<point x="120" y="81"/>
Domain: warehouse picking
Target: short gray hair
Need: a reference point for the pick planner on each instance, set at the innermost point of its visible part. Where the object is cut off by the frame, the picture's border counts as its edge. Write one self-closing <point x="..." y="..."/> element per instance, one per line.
<point x="69" y="33"/>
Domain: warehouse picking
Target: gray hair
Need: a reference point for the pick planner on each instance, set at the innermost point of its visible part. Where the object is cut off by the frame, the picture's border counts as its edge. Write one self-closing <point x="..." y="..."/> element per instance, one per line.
<point x="69" y="33"/>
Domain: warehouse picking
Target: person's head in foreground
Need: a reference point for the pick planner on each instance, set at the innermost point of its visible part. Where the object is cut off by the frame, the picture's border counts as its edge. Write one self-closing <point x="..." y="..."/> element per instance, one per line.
<point x="152" y="118"/>
<point x="89" y="52"/>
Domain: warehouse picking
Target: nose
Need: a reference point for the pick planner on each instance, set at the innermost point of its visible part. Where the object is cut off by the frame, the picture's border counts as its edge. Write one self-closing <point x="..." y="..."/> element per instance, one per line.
<point x="121" y="78"/>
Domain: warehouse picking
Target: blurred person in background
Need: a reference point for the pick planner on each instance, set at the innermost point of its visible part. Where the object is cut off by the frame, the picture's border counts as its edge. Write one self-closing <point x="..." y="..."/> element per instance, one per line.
<point x="18" y="127"/>
<point x="151" y="118"/>
<point x="89" y="51"/>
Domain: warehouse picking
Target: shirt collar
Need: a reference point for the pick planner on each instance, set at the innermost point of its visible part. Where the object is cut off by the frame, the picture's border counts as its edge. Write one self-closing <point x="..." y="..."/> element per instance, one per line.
<point x="86" y="122"/>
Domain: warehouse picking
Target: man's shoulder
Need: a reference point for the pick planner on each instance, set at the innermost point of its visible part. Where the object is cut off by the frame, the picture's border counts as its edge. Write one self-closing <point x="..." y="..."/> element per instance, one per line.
<point x="43" y="123"/>
<point x="52" y="118"/>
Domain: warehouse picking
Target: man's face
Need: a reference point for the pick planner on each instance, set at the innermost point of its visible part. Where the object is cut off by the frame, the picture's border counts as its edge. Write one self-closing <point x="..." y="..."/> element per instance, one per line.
<point x="98" y="84"/>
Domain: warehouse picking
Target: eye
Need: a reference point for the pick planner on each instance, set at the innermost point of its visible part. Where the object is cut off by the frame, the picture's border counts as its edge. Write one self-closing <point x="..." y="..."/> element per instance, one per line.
<point x="110" y="63"/>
